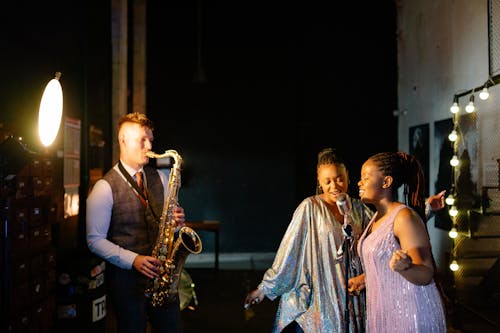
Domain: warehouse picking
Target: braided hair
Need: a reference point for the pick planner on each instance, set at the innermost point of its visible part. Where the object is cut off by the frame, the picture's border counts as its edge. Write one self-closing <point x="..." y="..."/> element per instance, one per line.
<point x="405" y="170"/>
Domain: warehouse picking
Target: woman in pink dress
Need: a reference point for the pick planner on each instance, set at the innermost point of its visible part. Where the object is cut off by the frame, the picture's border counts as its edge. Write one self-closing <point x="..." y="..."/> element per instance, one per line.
<point x="399" y="269"/>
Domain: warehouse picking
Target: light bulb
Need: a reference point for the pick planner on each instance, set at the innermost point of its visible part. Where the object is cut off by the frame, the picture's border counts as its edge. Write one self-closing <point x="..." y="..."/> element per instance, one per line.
<point x="453" y="211"/>
<point x="454" y="108"/>
<point x="453" y="136"/>
<point x="453" y="233"/>
<point x="454" y="161"/>
<point x="454" y="266"/>
<point x="470" y="107"/>
<point x="484" y="94"/>
<point x="450" y="200"/>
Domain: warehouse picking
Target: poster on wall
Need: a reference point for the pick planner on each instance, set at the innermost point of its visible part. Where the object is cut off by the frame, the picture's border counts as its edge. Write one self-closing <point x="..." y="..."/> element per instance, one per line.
<point x="443" y="152"/>
<point x="419" y="147"/>
<point x="466" y="174"/>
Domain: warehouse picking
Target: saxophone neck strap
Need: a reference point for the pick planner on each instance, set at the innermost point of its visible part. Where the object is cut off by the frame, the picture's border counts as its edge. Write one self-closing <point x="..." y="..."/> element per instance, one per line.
<point x="140" y="194"/>
<point x="144" y="198"/>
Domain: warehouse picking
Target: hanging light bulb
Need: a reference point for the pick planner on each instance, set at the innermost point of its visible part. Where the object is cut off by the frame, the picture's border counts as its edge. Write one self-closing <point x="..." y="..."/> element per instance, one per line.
<point x="484" y="94"/>
<point x="454" y="266"/>
<point x="470" y="107"/>
<point x="454" y="161"/>
<point x="454" y="107"/>
<point x="453" y="233"/>
<point x="453" y="211"/>
<point x="453" y="136"/>
<point x="450" y="200"/>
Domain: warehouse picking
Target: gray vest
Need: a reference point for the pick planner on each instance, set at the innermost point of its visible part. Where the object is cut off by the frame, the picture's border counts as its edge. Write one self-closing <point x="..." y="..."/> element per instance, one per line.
<point x="134" y="226"/>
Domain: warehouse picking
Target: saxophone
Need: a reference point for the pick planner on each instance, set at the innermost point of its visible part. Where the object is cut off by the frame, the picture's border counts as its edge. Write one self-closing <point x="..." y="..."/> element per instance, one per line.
<point x="170" y="249"/>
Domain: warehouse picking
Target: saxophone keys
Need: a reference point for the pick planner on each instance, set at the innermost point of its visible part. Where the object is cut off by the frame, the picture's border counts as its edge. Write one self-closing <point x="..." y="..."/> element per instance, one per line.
<point x="167" y="279"/>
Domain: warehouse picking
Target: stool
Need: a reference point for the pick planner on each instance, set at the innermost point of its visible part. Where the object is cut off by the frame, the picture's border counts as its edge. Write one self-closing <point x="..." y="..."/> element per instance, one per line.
<point x="208" y="225"/>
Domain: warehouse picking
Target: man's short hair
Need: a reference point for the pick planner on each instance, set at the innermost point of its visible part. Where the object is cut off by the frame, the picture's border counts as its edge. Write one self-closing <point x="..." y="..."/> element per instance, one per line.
<point x="137" y="118"/>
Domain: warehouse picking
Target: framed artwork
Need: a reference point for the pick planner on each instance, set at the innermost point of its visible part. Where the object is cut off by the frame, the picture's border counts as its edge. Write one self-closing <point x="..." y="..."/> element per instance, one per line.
<point x="466" y="175"/>
<point x="419" y="147"/>
<point x="443" y="152"/>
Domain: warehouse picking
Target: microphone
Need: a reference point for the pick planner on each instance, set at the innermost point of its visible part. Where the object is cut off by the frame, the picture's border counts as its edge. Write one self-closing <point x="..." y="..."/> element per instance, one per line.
<point x="344" y="205"/>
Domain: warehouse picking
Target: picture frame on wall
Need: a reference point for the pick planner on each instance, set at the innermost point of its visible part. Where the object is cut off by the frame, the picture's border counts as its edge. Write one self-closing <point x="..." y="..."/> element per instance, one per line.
<point x="419" y="147"/>
<point x="443" y="152"/>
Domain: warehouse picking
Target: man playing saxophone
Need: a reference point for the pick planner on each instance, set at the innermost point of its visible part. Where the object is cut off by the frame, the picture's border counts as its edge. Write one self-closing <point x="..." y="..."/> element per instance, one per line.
<point x="123" y="209"/>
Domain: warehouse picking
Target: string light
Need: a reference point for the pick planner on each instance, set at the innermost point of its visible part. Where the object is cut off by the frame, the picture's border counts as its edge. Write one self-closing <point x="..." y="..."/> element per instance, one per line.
<point x="453" y="211"/>
<point x="470" y="107"/>
<point x="454" y="266"/>
<point x="454" y="107"/>
<point x="453" y="136"/>
<point x="484" y="94"/>
<point x="450" y="200"/>
<point x="453" y="233"/>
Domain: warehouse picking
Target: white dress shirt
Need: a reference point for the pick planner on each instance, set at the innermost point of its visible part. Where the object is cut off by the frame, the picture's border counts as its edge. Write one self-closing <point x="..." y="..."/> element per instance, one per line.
<point x="99" y="207"/>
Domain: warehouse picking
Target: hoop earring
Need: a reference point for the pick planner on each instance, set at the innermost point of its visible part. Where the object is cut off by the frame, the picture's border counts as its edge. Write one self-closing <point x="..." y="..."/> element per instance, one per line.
<point x="319" y="190"/>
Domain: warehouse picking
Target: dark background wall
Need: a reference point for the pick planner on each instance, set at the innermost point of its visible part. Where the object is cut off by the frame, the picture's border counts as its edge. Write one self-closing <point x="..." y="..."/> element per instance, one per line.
<point x="283" y="80"/>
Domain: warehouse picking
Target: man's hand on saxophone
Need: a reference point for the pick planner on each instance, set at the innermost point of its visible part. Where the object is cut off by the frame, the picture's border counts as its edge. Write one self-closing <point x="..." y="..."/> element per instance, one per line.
<point x="120" y="226"/>
<point x="179" y="216"/>
<point x="147" y="265"/>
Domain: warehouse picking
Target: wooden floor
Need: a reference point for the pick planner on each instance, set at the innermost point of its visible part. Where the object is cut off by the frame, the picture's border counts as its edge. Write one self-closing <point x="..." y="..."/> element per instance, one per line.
<point x="218" y="305"/>
<point x="220" y="298"/>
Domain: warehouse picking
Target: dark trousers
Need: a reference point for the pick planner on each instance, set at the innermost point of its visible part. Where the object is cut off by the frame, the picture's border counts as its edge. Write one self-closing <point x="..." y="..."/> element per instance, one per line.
<point x="133" y="310"/>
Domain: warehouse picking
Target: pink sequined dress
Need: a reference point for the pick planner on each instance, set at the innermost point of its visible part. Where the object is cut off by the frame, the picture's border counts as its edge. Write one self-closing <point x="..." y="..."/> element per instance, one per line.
<point x="394" y="304"/>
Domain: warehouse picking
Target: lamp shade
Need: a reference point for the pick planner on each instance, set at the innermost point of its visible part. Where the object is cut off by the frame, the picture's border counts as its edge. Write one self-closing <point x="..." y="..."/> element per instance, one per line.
<point x="50" y="113"/>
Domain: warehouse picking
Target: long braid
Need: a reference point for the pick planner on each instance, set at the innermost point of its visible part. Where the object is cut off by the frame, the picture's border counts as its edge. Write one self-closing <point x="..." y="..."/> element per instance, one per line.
<point x="404" y="170"/>
<point x="415" y="182"/>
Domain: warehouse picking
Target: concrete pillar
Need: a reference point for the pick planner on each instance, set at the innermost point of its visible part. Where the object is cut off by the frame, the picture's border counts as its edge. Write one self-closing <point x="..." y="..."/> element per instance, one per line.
<point x="139" y="57"/>
<point x="119" y="43"/>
